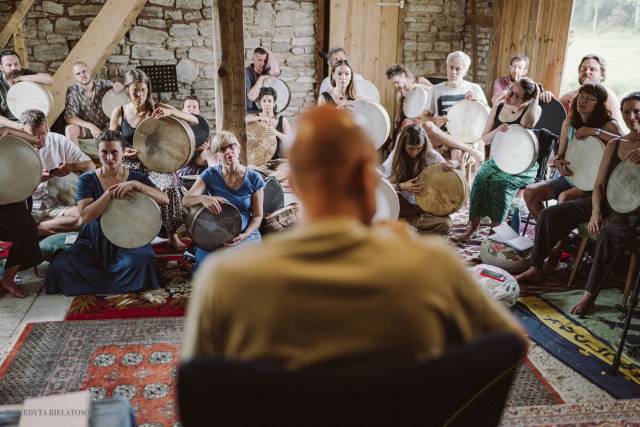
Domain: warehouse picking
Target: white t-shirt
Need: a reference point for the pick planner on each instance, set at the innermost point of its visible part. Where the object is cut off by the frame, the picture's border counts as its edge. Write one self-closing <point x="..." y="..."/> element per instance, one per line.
<point x="441" y="97"/>
<point x="325" y="86"/>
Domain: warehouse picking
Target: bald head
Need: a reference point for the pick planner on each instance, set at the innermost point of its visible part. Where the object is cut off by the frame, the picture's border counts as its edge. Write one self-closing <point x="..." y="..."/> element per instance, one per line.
<point x="332" y="163"/>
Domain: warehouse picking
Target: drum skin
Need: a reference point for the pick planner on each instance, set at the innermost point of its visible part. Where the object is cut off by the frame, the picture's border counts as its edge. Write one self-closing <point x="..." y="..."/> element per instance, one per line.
<point x="373" y="118"/>
<point x="415" y="101"/>
<point x="515" y="150"/>
<point x="165" y="144"/>
<point x="260" y="145"/>
<point x="24" y="96"/>
<point x="132" y="222"/>
<point x="273" y="196"/>
<point x="466" y="120"/>
<point x="387" y="202"/>
<point x="283" y="94"/>
<point x="209" y="231"/>
<point x="443" y="192"/>
<point x="20" y="169"/>
<point x="623" y="188"/>
<point x="366" y="89"/>
<point x="584" y="156"/>
<point x="112" y="100"/>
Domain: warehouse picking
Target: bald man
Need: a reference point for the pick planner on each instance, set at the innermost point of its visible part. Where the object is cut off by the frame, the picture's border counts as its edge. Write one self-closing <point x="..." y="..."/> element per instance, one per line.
<point x="337" y="289"/>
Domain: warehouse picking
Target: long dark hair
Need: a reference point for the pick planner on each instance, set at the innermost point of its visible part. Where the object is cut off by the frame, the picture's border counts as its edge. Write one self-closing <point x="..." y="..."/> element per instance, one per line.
<point x="351" y="89"/>
<point x="268" y="91"/>
<point x="404" y="167"/>
<point x="600" y="114"/>
<point x="134" y="76"/>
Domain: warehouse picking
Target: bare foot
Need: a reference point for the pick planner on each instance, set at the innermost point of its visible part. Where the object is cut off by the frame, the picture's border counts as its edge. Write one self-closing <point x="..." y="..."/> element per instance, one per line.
<point x="466" y="237"/>
<point x="10" y="286"/>
<point x="585" y="304"/>
<point x="177" y="244"/>
<point x="532" y="274"/>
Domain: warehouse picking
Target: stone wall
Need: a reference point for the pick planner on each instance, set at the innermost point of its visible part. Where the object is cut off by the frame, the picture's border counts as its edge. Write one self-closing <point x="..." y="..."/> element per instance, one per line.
<point x="483" y="40"/>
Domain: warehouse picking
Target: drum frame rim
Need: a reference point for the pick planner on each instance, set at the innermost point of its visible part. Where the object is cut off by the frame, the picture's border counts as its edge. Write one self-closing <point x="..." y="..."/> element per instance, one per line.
<point x="288" y="89"/>
<point x="46" y="90"/>
<point x="185" y="126"/>
<point x="569" y="150"/>
<point x="385" y="114"/>
<point x="157" y="206"/>
<point x="479" y="103"/>
<point x="395" y="209"/>
<point x="37" y="156"/>
<point x="420" y="89"/>
<point x="535" y="151"/>
<point x="626" y="164"/>
<point x="197" y="212"/>
<point x="102" y="101"/>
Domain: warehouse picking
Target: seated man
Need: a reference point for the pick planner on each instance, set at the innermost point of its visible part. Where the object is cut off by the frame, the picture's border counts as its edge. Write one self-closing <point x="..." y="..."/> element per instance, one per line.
<point x="518" y="67"/>
<point x="337" y="289"/>
<point x="203" y="157"/>
<point x="18" y="227"/>
<point x="334" y="55"/>
<point x="83" y="107"/>
<point x="11" y="72"/>
<point x="263" y="64"/>
<point x="59" y="158"/>
<point x="403" y="80"/>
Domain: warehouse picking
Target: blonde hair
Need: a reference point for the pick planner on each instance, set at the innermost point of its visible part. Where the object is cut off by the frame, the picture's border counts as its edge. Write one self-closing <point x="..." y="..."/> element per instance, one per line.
<point x="224" y="139"/>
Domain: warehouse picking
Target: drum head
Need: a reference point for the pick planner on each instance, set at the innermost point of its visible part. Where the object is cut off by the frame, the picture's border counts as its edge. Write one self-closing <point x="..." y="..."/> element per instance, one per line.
<point x="552" y="116"/>
<point x="112" y="100"/>
<point x="387" y="203"/>
<point x="165" y="144"/>
<point x="466" y="120"/>
<point x="273" y="196"/>
<point x="623" y="188"/>
<point x="24" y="96"/>
<point x="444" y="192"/>
<point x="515" y="150"/>
<point x="20" y="169"/>
<point x="373" y="118"/>
<point x="584" y="156"/>
<point x="367" y="90"/>
<point x="283" y="93"/>
<point x="415" y="101"/>
<point x="210" y="231"/>
<point x="131" y="223"/>
<point x="260" y="145"/>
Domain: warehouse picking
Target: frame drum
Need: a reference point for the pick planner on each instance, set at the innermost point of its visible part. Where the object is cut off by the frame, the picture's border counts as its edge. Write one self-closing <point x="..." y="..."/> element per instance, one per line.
<point x="367" y="90"/>
<point x="209" y="231"/>
<point x="373" y="118"/>
<point x="132" y="222"/>
<point x="282" y="91"/>
<point x="261" y="146"/>
<point x="20" y="169"/>
<point x="387" y="202"/>
<point x="584" y="156"/>
<point x="623" y="188"/>
<point x="515" y="150"/>
<point x="415" y="101"/>
<point x="466" y="120"/>
<point x="112" y="100"/>
<point x="24" y="96"/>
<point x="443" y="192"/>
<point x="165" y="144"/>
<point x="552" y="116"/>
<point x="273" y="196"/>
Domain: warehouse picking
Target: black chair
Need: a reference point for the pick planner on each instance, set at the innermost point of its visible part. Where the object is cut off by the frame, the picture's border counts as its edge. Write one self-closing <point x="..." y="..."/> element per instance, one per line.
<point x="547" y="143"/>
<point x="466" y="387"/>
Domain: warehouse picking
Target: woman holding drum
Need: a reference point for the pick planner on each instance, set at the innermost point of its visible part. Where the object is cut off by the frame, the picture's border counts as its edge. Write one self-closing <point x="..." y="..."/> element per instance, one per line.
<point x="493" y="189"/>
<point x="611" y="227"/>
<point x="589" y="116"/>
<point x="343" y="89"/>
<point x="229" y="182"/>
<point x="277" y="126"/>
<point x="126" y="119"/>
<point x="94" y="265"/>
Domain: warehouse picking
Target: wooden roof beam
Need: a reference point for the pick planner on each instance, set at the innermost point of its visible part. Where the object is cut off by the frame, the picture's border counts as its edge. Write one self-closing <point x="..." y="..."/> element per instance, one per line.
<point x="15" y="19"/>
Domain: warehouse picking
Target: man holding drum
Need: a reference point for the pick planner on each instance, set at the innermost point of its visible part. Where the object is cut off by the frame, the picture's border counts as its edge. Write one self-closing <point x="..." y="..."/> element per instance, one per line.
<point x="83" y="107"/>
<point x="12" y="73"/>
<point x="308" y="296"/>
<point x="611" y="227"/>
<point x="403" y="80"/>
<point x="263" y="64"/>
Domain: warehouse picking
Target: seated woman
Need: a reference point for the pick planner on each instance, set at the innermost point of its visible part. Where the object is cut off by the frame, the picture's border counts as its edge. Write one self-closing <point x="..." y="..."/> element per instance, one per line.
<point x="229" y="181"/>
<point x="556" y="222"/>
<point x="277" y="126"/>
<point x="94" y="265"/>
<point x="493" y="190"/>
<point x="413" y="153"/>
<point x="342" y="87"/>
<point x="125" y="120"/>
<point x="589" y="116"/>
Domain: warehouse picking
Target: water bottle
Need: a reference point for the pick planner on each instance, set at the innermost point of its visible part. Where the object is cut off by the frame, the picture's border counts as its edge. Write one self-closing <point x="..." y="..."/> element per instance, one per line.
<point x="515" y="220"/>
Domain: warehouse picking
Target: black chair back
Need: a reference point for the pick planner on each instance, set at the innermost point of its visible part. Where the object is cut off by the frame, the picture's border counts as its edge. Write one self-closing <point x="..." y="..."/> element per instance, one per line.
<point x="467" y="386"/>
<point x="547" y="141"/>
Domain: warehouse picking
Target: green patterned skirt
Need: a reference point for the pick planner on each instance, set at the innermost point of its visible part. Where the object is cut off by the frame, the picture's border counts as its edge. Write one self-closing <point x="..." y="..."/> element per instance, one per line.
<point x="493" y="190"/>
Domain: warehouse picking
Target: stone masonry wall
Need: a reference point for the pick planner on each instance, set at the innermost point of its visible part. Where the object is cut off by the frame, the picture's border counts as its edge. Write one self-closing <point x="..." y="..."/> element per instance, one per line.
<point x="483" y="40"/>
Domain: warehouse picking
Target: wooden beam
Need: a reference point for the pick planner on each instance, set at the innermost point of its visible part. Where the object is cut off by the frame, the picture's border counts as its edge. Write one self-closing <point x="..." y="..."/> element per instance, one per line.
<point x="474" y="42"/>
<point x="105" y="31"/>
<point x="15" y="19"/>
<point x="480" y="20"/>
<point x="20" y="46"/>
<point x="231" y="95"/>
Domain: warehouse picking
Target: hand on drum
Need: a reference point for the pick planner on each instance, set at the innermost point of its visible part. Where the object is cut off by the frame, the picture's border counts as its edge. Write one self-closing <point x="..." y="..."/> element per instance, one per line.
<point x="471" y="96"/>
<point x="503" y="127"/>
<point x="161" y="112"/>
<point x="412" y="186"/>
<point x="271" y="131"/>
<point x="546" y="97"/>
<point x="123" y="190"/>
<point x="46" y="176"/>
<point x="595" y="223"/>
<point x="117" y="87"/>
<point x="61" y="170"/>
<point x="448" y="167"/>
<point x="239" y="238"/>
<point x="131" y="153"/>
<point x="212" y="203"/>
<point x="584" y="132"/>
<point x="561" y="165"/>
<point x="633" y="156"/>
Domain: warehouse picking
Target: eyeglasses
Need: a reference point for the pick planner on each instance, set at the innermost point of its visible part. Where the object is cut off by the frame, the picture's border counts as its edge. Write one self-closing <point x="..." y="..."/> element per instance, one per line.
<point x="587" y="98"/>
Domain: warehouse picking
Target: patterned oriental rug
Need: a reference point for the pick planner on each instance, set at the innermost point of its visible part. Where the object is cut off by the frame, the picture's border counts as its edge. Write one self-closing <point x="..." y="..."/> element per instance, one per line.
<point x="624" y="413"/>
<point x="137" y="359"/>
